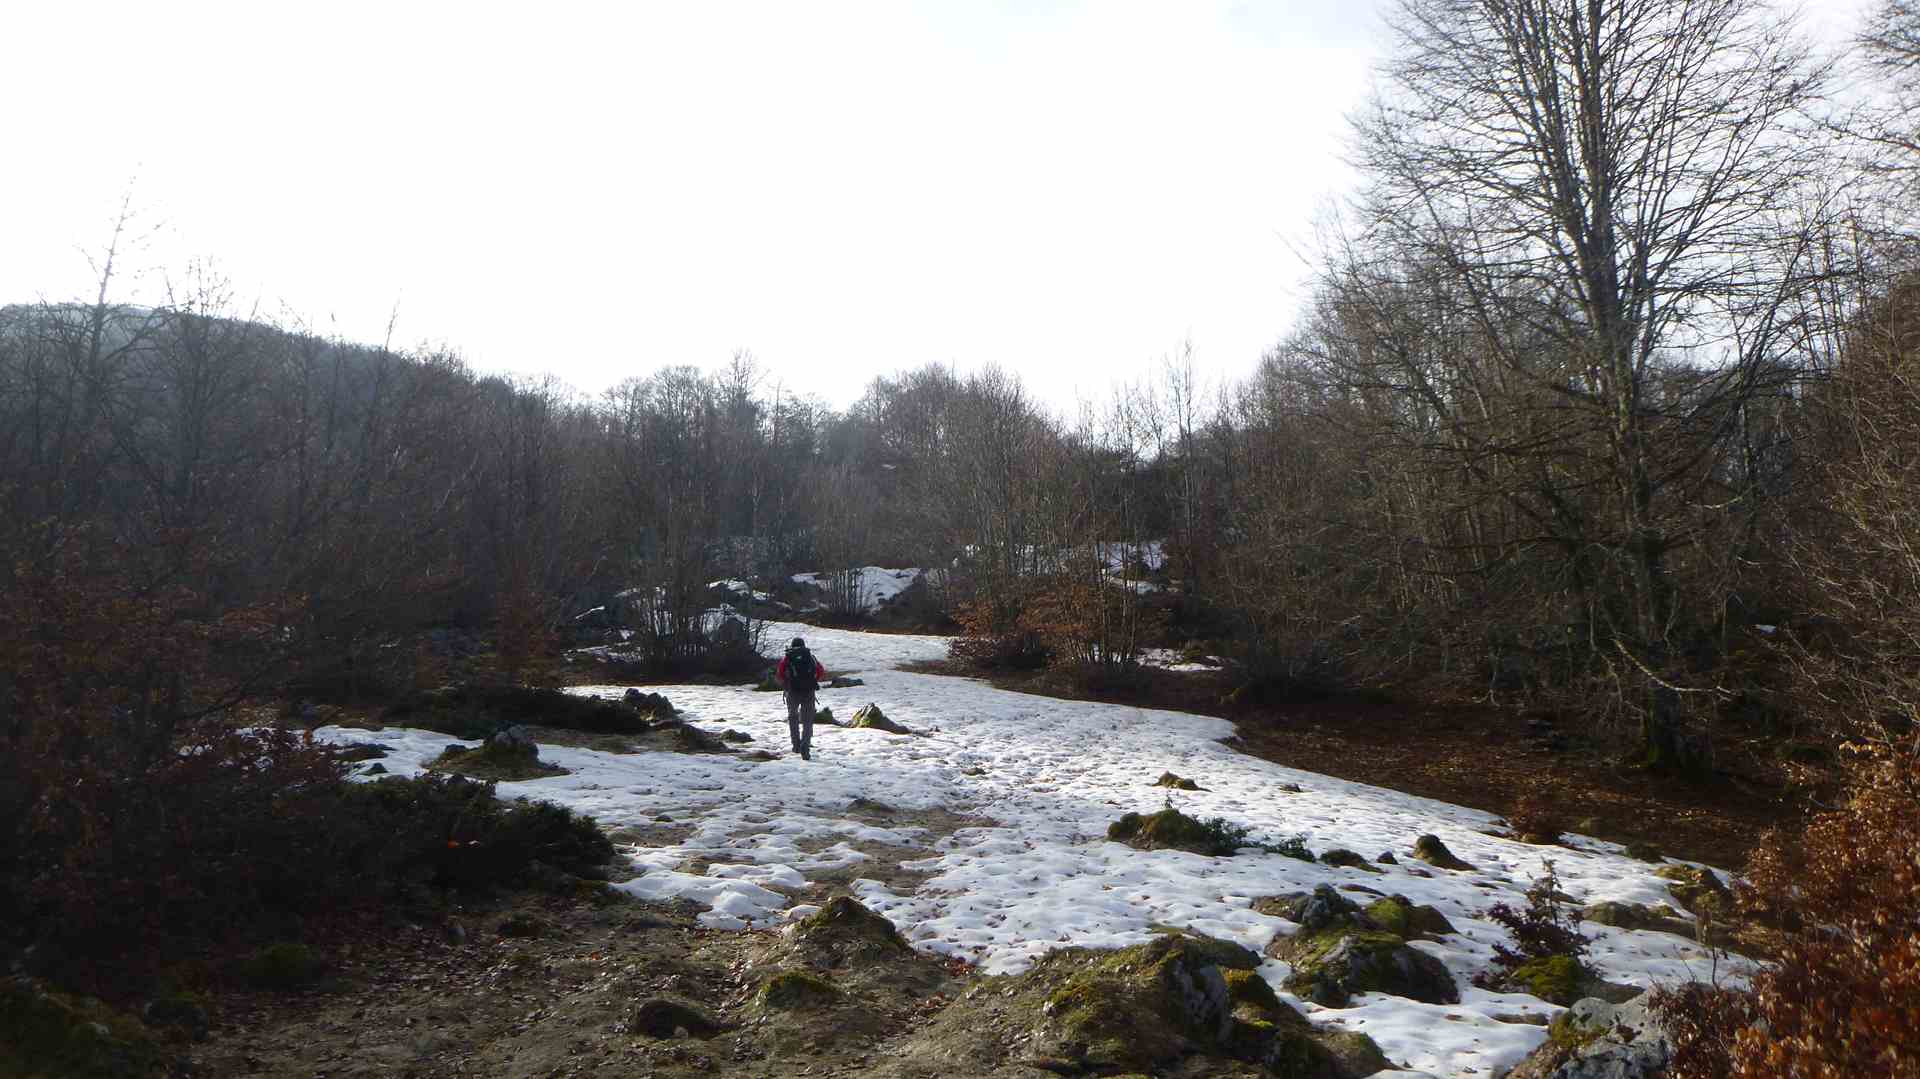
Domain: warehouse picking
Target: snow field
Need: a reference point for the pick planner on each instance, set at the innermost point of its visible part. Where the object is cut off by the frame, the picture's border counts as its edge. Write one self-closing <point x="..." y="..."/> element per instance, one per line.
<point x="1043" y="778"/>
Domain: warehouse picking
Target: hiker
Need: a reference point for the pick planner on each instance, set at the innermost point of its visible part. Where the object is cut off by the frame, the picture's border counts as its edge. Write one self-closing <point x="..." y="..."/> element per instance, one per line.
<point x="800" y="674"/>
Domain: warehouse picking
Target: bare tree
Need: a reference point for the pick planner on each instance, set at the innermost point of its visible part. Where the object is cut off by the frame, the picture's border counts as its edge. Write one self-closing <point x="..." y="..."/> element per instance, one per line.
<point x="1612" y="190"/>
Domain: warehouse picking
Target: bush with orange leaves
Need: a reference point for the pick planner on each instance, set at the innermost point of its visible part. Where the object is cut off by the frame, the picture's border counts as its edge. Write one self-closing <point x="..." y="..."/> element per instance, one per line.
<point x="1842" y="997"/>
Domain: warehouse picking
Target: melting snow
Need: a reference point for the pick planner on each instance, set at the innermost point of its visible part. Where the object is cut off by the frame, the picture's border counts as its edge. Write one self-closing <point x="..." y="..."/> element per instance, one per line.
<point x="1045" y="777"/>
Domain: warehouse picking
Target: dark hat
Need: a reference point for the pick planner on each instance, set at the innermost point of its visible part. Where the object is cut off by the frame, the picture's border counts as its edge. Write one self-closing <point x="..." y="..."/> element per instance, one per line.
<point x="797" y="643"/>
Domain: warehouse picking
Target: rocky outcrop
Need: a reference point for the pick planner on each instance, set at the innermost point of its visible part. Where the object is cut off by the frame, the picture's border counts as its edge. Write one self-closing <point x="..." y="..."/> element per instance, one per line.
<point x="1598" y="1040"/>
<point x="1341" y="950"/>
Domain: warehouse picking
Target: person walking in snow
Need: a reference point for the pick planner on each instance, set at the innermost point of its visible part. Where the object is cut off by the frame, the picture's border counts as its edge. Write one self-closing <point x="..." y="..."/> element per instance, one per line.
<point x="800" y="674"/>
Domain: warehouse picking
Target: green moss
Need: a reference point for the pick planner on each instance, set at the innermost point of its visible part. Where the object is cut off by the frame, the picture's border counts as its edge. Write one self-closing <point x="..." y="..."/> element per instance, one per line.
<point x="1391" y="914"/>
<point x="285" y="965"/>
<point x="1249" y="988"/>
<point x="1330" y="965"/>
<point x="44" y="1033"/>
<point x="797" y="989"/>
<point x="1555" y="979"/>
<point x="1125" y="828"/>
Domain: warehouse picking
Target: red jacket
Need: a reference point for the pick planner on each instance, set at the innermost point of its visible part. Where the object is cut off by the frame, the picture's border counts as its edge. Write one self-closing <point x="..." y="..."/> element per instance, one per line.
<point x="819" y="670"/>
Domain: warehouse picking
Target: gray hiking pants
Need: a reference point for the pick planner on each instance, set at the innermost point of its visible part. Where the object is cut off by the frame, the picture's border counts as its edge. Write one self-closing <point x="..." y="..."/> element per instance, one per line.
<point x="800" y="707"/>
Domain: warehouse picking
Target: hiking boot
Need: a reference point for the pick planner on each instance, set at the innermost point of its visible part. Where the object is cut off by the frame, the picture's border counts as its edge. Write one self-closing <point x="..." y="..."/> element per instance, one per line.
<point x="806" y="754"/>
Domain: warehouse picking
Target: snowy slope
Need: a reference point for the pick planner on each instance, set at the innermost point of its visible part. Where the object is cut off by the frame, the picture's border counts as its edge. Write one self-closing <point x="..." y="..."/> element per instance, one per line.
<point x="875" y="586"/>
<point x="1045" y="777"/>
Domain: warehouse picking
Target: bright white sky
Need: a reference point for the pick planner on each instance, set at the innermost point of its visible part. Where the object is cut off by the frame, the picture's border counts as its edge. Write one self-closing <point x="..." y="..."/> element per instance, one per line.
<point x="1070" y="190"/>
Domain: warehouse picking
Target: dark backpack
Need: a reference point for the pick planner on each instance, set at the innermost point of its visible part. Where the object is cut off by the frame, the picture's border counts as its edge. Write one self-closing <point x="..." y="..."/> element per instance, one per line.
<point x="803" y="674"/>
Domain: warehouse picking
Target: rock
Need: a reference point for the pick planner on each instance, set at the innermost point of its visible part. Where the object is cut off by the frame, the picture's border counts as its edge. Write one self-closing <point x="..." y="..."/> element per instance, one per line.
<point x="374" y="769"/>
<point x="1698" y="890"/>
<point x="844" y="930"/>
<point x="1430" y="850"/>
<point x="757" y="755"/>
<point x="1170" y="828"/>
<point x="1636" y="916"/>
<point x="843" y="682"/>
<point x="1351" y="859"/>
<point x="1340" y="951"/>
<point x="1387" y="858"/>
<point x="1330" y="966"/>
<point x="802" y="990"/>
<point x="1168" y="779"/>
<point x="1596" y="1039"/>
<point x="285" y="965"/>
<point x="734" y="736"/>
<point x="180" y="1011"/>
<point x="362" y="751"/>
<point x="1645" y="852"/>
<point x="652" y="704"/>
<point x="514" y="739"/>
<point x="825" y="716"/>
<point x="1399" y="915"/>
<point x="661" y="1017"/>
<point x="870" y="717"/>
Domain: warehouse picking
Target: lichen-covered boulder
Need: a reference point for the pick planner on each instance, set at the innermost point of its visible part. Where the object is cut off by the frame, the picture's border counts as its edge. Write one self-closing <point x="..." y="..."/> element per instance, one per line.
<point x="870" y="717"/>
<point x="1596" y="1039"/>
<point x="1180" y="783"/>
<point x="1144" y="1006"/>
<point x="1430" y="850"/>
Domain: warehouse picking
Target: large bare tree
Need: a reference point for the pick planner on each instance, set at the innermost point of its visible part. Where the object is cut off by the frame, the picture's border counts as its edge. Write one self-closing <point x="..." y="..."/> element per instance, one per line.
<point x="1616" y="209"/>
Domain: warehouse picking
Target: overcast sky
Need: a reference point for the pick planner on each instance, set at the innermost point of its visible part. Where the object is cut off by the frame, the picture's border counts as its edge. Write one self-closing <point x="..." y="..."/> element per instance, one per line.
<point x="596" y="191"/>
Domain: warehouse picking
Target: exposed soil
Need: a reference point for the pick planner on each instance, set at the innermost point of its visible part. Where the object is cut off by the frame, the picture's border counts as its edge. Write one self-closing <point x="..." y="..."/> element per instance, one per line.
<point x="1476" y="756"/>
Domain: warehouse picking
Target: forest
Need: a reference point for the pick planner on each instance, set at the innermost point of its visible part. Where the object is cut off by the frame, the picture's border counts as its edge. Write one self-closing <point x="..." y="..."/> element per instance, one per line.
<point x="1605" y="406"/>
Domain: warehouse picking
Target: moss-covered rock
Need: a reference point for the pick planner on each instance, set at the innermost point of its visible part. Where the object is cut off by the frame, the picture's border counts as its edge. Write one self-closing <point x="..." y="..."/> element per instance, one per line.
<point x="1170" y="828"/>
<point x="46" y="1033"/>
<point x="796" y="990"/>
<point x="1351" y="859"/>
<point x="282" y="966"/>
<point x="1401" y="916"/>
<point x="1637" y="916"/>
<point x="1331" y="965"/>
<point x="870" y="717"/>
<point x="1554" y="979"/>
<point x="1698" y="890"/>
<point x="844" y="930"/>
<point x="1645" y="852"/>
<point x="1143" y="1006"/>
<point x="495" y="761"/>
<point x="1341" y="950"/>
<point x="1354" y="1053"/>
<point x="1430" y="850"/>
<point x="1180" y="783"/>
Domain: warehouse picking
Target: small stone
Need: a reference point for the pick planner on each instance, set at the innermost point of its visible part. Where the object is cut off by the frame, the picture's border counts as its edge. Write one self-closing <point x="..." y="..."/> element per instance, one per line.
<point x="1430" y="850"/>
